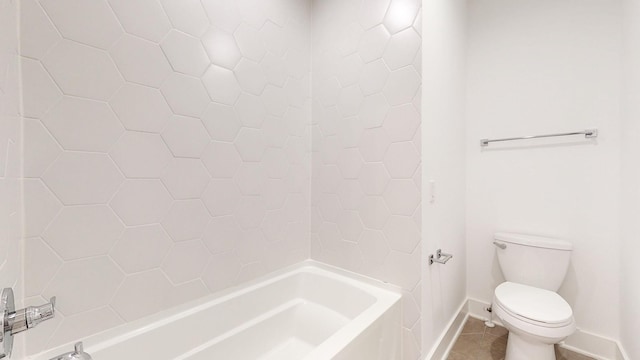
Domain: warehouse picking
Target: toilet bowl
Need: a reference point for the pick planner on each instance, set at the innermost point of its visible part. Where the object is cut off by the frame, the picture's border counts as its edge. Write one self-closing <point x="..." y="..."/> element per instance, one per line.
<point x="536" y="319"/>
<point x="527" y="302"/>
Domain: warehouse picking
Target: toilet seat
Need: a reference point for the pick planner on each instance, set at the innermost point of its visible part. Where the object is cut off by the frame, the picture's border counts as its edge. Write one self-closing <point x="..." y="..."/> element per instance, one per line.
<point x="535" y="306"/>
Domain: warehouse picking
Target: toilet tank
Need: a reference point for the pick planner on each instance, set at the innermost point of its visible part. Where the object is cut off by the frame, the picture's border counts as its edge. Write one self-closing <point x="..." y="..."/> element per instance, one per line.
<point x="536" y="261"/>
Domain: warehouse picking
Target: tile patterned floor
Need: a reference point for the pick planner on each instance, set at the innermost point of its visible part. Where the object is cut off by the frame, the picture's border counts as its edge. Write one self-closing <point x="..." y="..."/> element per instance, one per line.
<point x="478" y="342"/>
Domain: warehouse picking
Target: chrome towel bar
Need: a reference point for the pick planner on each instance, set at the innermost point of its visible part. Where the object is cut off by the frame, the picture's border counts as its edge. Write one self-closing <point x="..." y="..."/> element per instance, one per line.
<point x="588" y="134"/>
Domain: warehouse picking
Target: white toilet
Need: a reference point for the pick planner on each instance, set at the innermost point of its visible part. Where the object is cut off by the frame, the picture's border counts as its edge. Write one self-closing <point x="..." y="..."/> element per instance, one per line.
<point x="527" y="303"/>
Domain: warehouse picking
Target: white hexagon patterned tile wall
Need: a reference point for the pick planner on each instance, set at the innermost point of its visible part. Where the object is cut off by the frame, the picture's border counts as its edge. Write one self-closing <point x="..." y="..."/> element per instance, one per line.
<point x="374" y="109"/>
<point x="37" y="30"/>
<point x="140" y="61"/>
<point x="186" y="137"/>
<point x="374" y="191"/>
<point x="145" y="293"/>
<point x="83" y="178"/>
<point x="222" y="85"/>
<point x="374" y="212"/>
<point x="221" y="122"/>
<point x="141" y="155"/>
<point x="186" y="220"/>
<point x="222" y="197"/>
<point x="274" y="70"/>
<point x="250" y="110"/>
<point x="40" y="207"/>
<point x="76" y="287"/>
<point x="402" y="49"/>
<point x="43" y="92"/>
<point x="185" y="53"/>
<point x="141" y="202"/>
<point x="251" y="178"/>
<point x="143" y="18"/>
<point x="83" y="125"/>
<point x="83" y="231"/>
<point x="222" y="271"/>
<point x="186" y="127"/>
<point x="11" y="143"/>
<point x="186" y="261"/>
<point x="185" y="178"/>
<point x="221" y="47"/>
<point x="402" y="160"/>
<point x="40" y="150"/>
<point x="186" y="95"/>
<point x="40" y="266"/>
<point x="402" y="86"/>
<point x="141" y="108"/>
<point x="141" y="248"/>
<point x="221" y="234"/>
<point x="221" y="159"/>
<point x="251" y="211"/>
<point x="97" y="27"/>
<point x="374" y="76"/>
<point x="373" y="44"/>
<point x="83" y="71"/>
<point x="187" y="16"/>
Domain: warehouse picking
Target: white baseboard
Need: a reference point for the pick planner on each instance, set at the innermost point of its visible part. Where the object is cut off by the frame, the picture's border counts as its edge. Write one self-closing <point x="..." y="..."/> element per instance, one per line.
<point x="593" y="345"/>
<point x="621" y="354"/>
<point x="448" y="337"/>
<point x="582" y="342"/>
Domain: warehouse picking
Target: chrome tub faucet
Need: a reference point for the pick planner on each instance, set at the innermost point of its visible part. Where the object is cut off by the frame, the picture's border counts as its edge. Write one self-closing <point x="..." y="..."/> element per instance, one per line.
<point x="13" y="322"/>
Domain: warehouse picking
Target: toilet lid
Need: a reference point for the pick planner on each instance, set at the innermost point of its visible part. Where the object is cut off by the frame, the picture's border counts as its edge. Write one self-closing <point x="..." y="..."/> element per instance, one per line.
<point x="535" y="304"/>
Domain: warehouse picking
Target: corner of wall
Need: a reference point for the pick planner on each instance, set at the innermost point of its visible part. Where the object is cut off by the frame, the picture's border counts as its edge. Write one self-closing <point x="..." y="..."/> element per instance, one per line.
<point x="444" y="153"/>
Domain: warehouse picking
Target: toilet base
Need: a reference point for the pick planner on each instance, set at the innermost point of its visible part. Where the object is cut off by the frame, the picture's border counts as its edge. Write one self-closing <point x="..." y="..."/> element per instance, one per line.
<point x="525" y="348"/>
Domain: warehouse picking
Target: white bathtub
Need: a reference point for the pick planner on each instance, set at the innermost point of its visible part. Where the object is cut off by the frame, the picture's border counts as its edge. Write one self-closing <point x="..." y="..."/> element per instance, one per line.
<point x="307" y="312"/>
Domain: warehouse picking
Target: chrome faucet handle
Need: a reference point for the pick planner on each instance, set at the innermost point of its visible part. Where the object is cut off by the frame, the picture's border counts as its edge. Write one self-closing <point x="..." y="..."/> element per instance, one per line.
<point x="31" y="316"/>
<point x="38" y="314"/>
<point x="13" y="322"/>
<point x="77" y="354"/>
<point x="7" y="309"/>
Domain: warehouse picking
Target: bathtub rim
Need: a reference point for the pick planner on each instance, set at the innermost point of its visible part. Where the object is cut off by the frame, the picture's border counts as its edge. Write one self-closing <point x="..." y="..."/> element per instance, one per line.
<point x="389" y="294"/>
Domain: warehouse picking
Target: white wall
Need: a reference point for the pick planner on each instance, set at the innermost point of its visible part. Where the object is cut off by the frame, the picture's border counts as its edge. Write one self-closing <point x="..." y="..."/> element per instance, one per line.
<point x="11" y="204"/>
<point x="188" y="133"/>
<point x="537" y="67"/>
<point x="630" y="285"/>
<point x="366" y="142"/>
<point x="443" y="155"/>
<point x="10" y="151"/>
<point x="166" y="153"/>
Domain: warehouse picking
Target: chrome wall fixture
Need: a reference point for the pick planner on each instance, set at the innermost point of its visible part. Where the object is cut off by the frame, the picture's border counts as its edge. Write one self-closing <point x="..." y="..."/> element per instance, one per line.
<point x="440" y="257"/>
<point x="500" y="245"/>
<point x="77" y="354"/>
<point x="13" y="322"/>
<point x="588" y="134"/>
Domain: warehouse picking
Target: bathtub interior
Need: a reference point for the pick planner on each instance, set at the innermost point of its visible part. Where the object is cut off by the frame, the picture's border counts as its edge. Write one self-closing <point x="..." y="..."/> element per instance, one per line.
<point x="307" y="313"/>
<point x="291" y="332"/>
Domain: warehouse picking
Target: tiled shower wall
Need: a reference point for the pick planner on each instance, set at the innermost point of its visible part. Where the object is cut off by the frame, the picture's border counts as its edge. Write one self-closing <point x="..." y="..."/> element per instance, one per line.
<point x="10" y="150"/>
<point x="366" y="145"/>
<point x="166" y="151"/>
